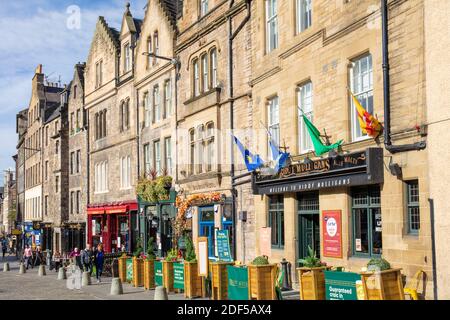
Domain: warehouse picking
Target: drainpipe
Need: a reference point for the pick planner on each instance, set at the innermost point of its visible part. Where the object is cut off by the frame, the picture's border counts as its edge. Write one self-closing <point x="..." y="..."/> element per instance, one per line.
<point x="433" y="249"/>
<point x="231" y="36"/>
<point x="386" y="92"/>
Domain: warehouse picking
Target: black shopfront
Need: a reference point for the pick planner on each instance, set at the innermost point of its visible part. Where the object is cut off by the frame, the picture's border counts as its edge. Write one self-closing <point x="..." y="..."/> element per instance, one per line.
<point x="361" y="174"/>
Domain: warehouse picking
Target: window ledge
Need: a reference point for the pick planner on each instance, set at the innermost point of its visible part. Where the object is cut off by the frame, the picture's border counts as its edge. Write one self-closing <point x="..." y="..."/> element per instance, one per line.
<point x="202" y="95"/>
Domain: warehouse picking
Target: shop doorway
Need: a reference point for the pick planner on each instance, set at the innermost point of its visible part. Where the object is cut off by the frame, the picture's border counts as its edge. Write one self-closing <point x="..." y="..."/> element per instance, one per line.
<point x="206" y="227"/>
<point x="308" y="223"/>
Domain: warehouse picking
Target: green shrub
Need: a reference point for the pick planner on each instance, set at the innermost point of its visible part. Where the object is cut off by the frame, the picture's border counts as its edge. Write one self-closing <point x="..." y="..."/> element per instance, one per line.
<point x="378" y="264"/>
<point x="260" y="261"/>
<point x="150" y="253"/>
<point x="310" y="261"/>
<point x="139" y="250"/>
<point x="172" y="255"/>
<point x="190" y="255"/>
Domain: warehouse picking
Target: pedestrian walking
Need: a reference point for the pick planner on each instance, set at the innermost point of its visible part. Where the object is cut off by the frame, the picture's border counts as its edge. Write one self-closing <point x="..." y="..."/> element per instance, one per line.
<point x="38" y="259"/>
<point x="28" y="254"/>
<point x="87" y="256"/>
<point x="99" y="260"/>
<point x="4" y="248"/>
<point x="75" y="255"/>
<point x="56" y="260"/>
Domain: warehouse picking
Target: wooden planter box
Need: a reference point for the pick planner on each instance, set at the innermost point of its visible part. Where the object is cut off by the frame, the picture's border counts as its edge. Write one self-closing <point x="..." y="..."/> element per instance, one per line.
<point x="312" y="283"/>
<point x="192" y="281"/>
<point x="138" y="272"/>
<point x="123" y="269"/>
<point x="219" y="280"/>
<point x="383" y="285"/>
<point x="168" y="275"/>
<point x="261" y="282"/>
<point x="149" y="274"/>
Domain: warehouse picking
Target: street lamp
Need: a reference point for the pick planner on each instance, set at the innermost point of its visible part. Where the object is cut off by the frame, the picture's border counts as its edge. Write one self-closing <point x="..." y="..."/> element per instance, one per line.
<point x="174" y="61"/>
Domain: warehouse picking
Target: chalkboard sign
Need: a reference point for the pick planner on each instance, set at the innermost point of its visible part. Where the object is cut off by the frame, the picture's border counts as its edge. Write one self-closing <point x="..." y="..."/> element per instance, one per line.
<point x="223" y="246"/>
<point x="158" y="273"/>
<point x="341" y="285"/>
<point x="129" y="270"/>
<point x="178" y="276"/>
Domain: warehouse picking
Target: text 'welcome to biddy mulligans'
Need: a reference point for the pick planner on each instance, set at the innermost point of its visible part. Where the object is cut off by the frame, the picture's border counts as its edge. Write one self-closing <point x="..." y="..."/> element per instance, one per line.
<point x="225" y="310"/>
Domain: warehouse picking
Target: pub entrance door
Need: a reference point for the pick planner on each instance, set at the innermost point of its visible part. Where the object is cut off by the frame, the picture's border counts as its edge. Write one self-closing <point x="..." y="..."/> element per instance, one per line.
<point x="308" y="223"/>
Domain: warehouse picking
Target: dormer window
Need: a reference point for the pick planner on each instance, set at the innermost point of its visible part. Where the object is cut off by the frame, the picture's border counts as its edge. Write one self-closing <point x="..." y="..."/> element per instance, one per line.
<point x="127" y="57"/>
<point x="98" y="74"/>
<point x="155" y="46"/>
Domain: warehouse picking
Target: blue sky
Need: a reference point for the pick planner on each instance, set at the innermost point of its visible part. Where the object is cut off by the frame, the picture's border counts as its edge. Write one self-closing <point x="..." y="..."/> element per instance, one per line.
<point x="46" y="32"/>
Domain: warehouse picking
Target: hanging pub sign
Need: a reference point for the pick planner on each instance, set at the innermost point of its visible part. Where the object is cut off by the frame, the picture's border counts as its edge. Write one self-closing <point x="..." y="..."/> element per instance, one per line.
<point x="332" y="233"/>
<point x="343" y="170"/>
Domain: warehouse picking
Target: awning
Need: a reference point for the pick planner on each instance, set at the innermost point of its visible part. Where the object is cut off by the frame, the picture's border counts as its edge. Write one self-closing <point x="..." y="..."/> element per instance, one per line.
<point x="95" y="211"/>
<point x="116" y="209"/>
<point x="113" y="209"/>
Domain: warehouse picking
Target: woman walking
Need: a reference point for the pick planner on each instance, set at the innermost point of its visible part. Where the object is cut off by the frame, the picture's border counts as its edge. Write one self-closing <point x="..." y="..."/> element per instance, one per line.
<point x="99" y="259"/>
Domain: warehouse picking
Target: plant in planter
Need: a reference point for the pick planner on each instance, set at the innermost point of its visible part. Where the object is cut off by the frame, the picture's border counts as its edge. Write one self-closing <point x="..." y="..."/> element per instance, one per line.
<point x="149" y="266"/>
<point x="192" y="281"/>
<point x="139" y="250"/>
<point x="381" y="282"/>
<point x="152" y="188"/>
<point x="311" y="277"/>
<point x="171" y="258"/>
<point x="138" y="265"/>
<point x="261" y="279"/>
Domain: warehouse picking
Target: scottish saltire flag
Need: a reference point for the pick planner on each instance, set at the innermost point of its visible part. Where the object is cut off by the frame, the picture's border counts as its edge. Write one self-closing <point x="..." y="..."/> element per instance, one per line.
<point x="252" y="162"/>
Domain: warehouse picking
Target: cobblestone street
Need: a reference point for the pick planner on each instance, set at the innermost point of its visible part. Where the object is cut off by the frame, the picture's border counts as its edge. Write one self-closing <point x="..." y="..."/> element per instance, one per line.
<point x="29" y="286"/>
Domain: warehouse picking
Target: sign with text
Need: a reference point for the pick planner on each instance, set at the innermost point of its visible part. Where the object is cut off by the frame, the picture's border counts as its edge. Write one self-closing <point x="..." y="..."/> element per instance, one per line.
<point x="332" y="233"/>
<point x="223" y="246"/>
<point x="341" y="285"/>
<point x="237" y="283"/>
<point x="265" y="246"/>
<point x="203" y="262"/>
<point x="178" y="276"/>
<point x="158" y="273"/>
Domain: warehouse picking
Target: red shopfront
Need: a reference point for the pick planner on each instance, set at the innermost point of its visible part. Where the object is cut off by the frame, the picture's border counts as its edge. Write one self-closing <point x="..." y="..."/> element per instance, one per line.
<point x="112" y="225"/>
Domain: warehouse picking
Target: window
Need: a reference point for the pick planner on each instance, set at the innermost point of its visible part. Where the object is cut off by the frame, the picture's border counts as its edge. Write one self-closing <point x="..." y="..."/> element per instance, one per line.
<point x="213" y="56"/>
<point x="98" y="74"/>
<point x="203" y="7"/>
<point x="78" y="202"/>
<point x="167" y="99"/>
<point x="46" y="205"/>
<point x="199" y="146"/>
<point x="100" y="124"/>
<point x="46" y="136"/>
<point x="156" y="105"/>
<point x="147" y="114"/>
<point x="209" y="146"/>
<point x="413" y="206"/>
<point x="78" y="167"/>
<point x="75" y="91"/>
<point x="124" y="115"/>
<point x="104" y="124"/>
<point x="125" y="172"/>
<point x="101" y="177"/>
<point x="57" y="184"/>
<point x="366" y="216"/>
<point x="304" y="15"/>
<point x="276" y="220"/>
<point x="72" y="162"/>
<point x="57" y="147"/>
<point x="168" y="155"/>
<point x="149" y="50"/>
<point x="196" y="78"/>
<point x="361" y="75"/>
<point x="46" y="170"/>
<point x="127" y="57"/>
<point x="205" y="73"/>
<point x="72" y="123"/>
<point x="271" y="25"/>
<point x="147" y="161"/>
<point x="192" y="151"/>
<point x="156" y="46"/>
<point x="274" y="121"/>
<point x="72" y="202"/>
<point x="78" y="123"/>
<point x="305" y="104"/>
<point x="157" y="156"/>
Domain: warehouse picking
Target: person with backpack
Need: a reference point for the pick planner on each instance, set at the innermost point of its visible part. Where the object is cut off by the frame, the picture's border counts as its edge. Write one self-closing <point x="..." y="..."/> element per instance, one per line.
<point x="99" y="260"/>
<point x="86" y="258"/>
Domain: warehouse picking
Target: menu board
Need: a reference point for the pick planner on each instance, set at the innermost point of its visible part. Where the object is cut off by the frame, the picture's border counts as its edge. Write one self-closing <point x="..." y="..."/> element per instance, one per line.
<point x="332" y="233"/>
<point x="203" y="257"/>
<point x="178" y="276"/>
<point x="223" y="246"/>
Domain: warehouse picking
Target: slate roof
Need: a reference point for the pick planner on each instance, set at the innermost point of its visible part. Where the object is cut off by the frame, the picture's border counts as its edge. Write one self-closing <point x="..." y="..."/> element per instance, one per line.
<point x="170" y="8"/>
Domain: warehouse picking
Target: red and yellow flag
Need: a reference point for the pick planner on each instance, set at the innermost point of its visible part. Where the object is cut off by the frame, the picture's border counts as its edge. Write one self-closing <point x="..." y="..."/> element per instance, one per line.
<point x="368" y="123"/>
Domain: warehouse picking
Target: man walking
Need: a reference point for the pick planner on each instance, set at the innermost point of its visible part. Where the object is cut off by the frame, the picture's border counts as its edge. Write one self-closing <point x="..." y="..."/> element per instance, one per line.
<point x="86" y="258"/>
<point x="28" y="254"/>
<point x="4" y="248"/>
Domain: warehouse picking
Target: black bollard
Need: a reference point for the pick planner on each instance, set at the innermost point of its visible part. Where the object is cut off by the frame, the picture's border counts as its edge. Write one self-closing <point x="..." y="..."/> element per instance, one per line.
<point x="285" y="265"/>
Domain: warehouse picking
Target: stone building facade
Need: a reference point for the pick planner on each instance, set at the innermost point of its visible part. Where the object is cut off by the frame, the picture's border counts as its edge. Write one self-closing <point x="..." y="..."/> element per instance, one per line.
<point x="21" y="129"/>
<point x="204" y="101"/>
<point x="75" y="227"/>
<point x="112" y="143"/>
<point x="308" y="61"/>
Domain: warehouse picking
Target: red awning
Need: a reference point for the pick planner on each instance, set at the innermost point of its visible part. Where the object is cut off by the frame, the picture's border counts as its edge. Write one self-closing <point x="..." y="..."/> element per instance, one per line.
<point x="113" y="209"/>
<point x="116" y="209"/>
<point x="95" y="211"/>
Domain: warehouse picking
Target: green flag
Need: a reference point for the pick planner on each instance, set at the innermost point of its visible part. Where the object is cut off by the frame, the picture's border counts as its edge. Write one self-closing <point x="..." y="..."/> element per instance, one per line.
<point x="319" y="147"/>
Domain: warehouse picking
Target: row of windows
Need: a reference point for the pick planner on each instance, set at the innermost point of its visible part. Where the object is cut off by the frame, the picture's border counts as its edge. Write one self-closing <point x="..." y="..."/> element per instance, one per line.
<point x="156" y="162"/>
<point x="33" y="208"/>
<point x="201" y="156"/>
<point x="303" y="20"/>
<point x="204" y="72"/>
<point x="366" y="217"/>
<point x="101" y="170"/>
<point x="75" y="202"/>
<point x="361" y="81"/>
<point x="75" y="162"/>
<point x="100" y="124"/>
<point x="76" y="121"/>
<point x="154" y="110"/>
<point x="33" y="175"/>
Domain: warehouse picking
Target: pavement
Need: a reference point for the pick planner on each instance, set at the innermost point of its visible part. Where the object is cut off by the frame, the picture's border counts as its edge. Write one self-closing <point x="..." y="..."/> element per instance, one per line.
<point x="29" y="286"/>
